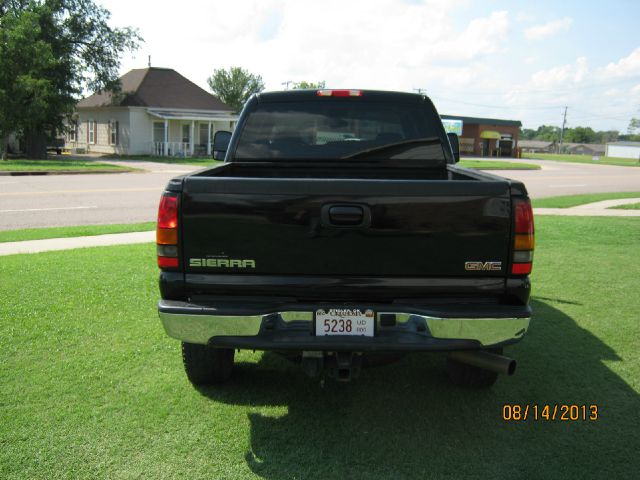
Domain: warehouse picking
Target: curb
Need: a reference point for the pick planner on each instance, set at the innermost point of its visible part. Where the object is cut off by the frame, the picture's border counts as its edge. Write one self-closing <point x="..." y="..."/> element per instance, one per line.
<point x="20" y="173"/>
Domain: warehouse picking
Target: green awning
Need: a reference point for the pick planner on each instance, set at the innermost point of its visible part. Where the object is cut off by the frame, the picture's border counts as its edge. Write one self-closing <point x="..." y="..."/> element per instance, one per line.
<point x="490" y="134"/>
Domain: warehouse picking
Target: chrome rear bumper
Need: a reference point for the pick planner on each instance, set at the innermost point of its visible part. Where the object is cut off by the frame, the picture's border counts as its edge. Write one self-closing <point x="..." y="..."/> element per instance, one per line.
<point x="294" y="330"/>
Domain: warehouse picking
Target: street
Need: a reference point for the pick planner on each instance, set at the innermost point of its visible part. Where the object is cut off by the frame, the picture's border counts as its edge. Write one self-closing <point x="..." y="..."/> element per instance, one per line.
<point x="65" y="200"/>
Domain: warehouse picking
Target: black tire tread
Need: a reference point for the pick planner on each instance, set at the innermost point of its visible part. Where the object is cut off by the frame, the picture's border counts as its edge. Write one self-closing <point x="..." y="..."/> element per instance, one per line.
<point x="205" y="365"/>
<point x="464" y="375"/>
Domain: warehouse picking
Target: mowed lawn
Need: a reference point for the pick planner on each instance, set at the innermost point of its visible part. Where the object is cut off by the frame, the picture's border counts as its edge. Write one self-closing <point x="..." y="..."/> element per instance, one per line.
<point x="91" y="387"/>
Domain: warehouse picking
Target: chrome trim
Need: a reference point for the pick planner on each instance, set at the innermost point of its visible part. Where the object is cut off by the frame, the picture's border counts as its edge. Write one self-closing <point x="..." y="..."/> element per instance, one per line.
<point x="194" y="328"/>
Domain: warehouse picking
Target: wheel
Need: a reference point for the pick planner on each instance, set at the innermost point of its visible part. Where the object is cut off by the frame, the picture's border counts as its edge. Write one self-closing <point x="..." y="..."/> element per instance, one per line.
<point x="465" y="375"/>
<point x="205" y="365"/>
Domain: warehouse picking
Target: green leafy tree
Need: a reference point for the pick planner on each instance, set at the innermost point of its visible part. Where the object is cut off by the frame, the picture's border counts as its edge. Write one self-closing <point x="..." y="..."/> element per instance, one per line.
<point x="547" y="133"/>
<point x="304" y="84"/>
<point x="580" y="135"/>
<point x="235" y="86"/>
<point x="50" y="50"/>
<point x="634" y="126"/>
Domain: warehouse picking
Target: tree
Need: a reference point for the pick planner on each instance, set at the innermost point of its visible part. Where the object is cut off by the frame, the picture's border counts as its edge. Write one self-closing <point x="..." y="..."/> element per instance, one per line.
<point x="235" y="86"/>
<point x="634" y="126"/>
<point x="49" y="51"/>
<point x="580" y="135"/>
<point x="304" y="84"/>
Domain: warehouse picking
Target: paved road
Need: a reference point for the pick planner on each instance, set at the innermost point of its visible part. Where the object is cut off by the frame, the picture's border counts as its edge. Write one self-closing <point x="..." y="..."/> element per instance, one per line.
<point x="59" y="200"/>
<point x="558" y="178"/>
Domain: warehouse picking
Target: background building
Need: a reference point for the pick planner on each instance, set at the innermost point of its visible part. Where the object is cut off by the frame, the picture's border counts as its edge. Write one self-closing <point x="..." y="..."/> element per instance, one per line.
<point x="488" y="137"/>
<point x="624" y="150"/>
<point x="157" y="112"/>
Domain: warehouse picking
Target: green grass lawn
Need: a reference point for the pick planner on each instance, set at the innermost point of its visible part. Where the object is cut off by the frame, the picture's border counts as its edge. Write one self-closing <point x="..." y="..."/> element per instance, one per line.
<point x="628" y="206"/>
<point x="496" y="165"/>
<point x="567" y="201"/>
<point x="200" y="161"/>
<point x="58" y="165"/>
<point x="91" y="387"/>
<point x="79" y="231"/>
<point x="625" y="162"/>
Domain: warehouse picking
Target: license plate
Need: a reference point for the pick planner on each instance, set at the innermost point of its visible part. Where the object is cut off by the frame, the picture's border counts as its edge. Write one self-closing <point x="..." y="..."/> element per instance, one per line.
<point x="344" y="321"/>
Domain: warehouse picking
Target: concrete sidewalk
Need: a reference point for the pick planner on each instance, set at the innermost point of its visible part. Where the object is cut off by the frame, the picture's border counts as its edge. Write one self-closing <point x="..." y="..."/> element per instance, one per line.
<point x="597" y="209"/>
<point x="51" y="244"/>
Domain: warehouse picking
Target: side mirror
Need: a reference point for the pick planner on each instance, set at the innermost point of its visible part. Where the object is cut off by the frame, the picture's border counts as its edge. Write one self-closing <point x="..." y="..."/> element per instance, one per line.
<point x="455" y="145"/>
<point x="220" y="144"/>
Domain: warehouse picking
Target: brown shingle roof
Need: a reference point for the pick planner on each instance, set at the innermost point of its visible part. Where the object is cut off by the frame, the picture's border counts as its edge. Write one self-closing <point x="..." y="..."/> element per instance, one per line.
<point x="156" y="88"/>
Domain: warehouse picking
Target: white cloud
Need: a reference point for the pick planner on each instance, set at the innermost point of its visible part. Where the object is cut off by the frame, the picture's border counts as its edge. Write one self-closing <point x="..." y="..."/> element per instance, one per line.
<point x="548" y="29"/>
<point x="389" y="44"/>
<point x="627" y="66"/>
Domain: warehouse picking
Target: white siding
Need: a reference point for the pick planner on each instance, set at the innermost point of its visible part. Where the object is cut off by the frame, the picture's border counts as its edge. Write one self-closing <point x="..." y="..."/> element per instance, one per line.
<point x="102" y="117"/>
<point x="623" y="151"/>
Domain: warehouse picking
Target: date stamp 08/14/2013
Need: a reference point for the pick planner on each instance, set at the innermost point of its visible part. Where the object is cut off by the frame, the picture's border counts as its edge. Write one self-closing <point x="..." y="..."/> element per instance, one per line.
<point x="559" y="412"/>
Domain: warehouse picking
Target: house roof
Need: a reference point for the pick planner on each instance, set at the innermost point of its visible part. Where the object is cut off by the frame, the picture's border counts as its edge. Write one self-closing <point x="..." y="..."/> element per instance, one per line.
<point x="535" y="144"/>
<point x="625" y="144"/>
<point x="484" y="121"/>
<point x="156" y="88"/>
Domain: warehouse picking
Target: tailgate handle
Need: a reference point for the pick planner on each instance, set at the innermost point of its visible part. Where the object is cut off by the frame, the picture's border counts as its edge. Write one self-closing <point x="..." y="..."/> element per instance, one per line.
<point x="346" y="215"/>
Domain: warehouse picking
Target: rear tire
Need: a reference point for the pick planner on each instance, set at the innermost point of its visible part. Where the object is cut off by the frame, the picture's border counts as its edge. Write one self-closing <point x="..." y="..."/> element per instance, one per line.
<point x="205" y="365"/>
<point x="464" y="375"/>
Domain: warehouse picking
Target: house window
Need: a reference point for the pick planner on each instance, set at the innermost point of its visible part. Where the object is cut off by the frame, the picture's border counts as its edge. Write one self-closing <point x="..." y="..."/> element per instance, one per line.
<point x="158" y="132"/>
<point x="113" y="132"/>
<point x="204" y="133"/>
<point x="186" y="133"/>
<point x="91" y="131"/>
<point x="72" y="133"/>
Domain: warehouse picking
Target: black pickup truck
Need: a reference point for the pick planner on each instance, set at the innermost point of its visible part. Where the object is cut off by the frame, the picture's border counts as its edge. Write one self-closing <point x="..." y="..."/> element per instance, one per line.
<point x="339" y="229"/>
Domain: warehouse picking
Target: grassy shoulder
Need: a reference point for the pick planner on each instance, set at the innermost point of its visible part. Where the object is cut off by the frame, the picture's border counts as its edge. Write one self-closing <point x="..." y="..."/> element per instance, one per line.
<point x="567" y="201"/>
<point x="62" y="165"/>
<point x="624" y="162"/>
<point x="628" y="206"/>
<point x="199" y="161"/>
<point x="92" y="387"/>
<point x="496" y="165"/>
<point x="66" y="232"/>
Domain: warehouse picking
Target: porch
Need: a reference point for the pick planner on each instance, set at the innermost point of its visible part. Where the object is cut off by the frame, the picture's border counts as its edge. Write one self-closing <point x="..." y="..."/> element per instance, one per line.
<point x="186" y="133"/>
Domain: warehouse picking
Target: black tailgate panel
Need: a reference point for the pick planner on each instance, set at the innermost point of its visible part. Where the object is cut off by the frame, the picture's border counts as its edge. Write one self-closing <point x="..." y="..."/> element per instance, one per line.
<point x="416" y="229"/>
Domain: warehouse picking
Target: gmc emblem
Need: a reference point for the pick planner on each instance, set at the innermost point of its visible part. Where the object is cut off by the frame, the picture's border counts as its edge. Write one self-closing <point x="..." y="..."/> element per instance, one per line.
<point x="486" y="266"/>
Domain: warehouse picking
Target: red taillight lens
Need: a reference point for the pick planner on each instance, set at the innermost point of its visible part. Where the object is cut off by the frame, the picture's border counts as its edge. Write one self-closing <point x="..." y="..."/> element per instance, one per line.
<point x="168" y="212"/>
<point x="168" y="262"/>
<point x="524" y="216"/>
<point x="339" y="93"/>
<point x="167" y="231"/>
<point x="523" y="239"/>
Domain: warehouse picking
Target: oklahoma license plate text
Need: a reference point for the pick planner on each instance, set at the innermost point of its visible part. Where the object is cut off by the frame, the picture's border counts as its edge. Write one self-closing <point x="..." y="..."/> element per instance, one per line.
<point x="345" y="321"/>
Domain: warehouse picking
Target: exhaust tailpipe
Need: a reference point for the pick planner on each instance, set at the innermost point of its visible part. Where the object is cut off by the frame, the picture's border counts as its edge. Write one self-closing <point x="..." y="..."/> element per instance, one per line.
<point x="486" y="360"/>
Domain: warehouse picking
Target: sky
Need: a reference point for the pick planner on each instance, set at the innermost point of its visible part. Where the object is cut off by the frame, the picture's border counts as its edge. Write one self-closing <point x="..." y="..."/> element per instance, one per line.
<point x="521" y="60"/>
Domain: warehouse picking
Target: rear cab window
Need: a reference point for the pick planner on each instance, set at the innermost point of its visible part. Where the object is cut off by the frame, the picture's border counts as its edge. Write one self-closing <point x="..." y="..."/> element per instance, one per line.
<point x="340" y="129"/>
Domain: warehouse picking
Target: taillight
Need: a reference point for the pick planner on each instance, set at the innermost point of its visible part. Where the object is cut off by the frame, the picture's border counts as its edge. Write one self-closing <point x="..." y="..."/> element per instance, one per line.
<point x="339" y="93"/>
<point x="167" y="231"/>
<point x="523" y="238"/>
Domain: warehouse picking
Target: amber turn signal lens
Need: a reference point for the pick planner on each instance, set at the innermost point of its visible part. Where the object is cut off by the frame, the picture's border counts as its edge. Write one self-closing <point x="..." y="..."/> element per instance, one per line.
<point x="167" y="236"/>
<point x="524" y="242"/>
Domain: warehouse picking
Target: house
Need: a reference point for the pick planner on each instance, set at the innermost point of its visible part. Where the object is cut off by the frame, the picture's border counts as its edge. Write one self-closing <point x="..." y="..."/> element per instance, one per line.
<point x="584" y="148"/>
<point x="487" y="137"/>
<point x="157" y="112"/>
<point x="537" y="146"/>
<point x="624" y="150"/>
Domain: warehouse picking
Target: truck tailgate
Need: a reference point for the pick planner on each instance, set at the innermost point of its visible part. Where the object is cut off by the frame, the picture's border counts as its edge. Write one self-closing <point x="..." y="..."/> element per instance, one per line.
<point x="350" y="227"/>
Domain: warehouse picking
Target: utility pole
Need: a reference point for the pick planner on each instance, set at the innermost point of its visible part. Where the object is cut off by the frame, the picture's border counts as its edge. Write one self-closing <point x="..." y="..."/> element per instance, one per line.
<point x="149" y="62"/>
<point x="286" y="84"/>
<point x="420" y="90"/>
<point x="564" y="124"/>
